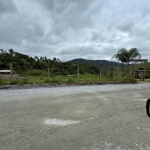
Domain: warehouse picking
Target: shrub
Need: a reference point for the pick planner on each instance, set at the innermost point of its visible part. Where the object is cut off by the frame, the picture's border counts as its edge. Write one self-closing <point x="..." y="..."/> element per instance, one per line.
<point x="70" y="80"/>
<point x="2" y="81"/>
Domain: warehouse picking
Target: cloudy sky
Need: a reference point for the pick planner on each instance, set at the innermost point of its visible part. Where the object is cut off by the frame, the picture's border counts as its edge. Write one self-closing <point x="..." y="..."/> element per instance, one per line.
<point x="68" y="29"/>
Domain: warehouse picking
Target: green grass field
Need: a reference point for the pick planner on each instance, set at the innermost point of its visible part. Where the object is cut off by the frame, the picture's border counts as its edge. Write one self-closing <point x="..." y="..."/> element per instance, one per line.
<point x="71" y="79"/>
<point x="40" y="77"/>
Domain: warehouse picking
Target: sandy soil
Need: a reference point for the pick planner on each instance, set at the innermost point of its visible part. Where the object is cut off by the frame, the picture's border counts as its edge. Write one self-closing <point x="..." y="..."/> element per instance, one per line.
<point x="109" y="117"/>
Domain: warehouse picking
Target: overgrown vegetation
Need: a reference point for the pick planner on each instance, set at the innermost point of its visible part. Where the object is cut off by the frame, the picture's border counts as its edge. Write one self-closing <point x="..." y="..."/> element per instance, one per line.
<point x="35" y="71"/>
<point x="25" y="65"/>
<point x="61" y="79"/>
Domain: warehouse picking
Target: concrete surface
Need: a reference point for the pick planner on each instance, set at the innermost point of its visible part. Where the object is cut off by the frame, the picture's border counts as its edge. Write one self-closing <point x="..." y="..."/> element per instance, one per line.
<point x="109" y="117"/>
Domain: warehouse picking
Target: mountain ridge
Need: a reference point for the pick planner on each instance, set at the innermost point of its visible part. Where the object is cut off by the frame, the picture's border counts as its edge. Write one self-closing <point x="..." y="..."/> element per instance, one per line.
<point x="94" y="63"/>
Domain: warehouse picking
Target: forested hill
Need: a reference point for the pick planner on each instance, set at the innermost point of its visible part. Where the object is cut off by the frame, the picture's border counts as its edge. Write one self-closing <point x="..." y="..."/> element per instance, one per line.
<point x="26" y="65"/>
<point x="94" y="63"/>
<point x="23" y="63"/>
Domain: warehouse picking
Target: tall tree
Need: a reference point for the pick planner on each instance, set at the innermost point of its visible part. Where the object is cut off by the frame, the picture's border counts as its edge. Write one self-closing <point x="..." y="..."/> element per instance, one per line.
<point x="133" y="53"/>
<point x="120" y="56"/>
<point x="125" y="56"/>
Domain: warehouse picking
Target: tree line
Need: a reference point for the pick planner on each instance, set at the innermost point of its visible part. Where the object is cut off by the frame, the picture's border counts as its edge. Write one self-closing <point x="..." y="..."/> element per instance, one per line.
<point x="22" y="62"/>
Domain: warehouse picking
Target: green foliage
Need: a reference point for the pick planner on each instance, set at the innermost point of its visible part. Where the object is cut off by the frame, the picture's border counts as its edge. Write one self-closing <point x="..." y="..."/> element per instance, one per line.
<point x="125" y="55"/>
<point x="25" y="65"/>
<point x="70" y="80"/>
<point x="53" y="80"/>
<point x="35" y="70"/>
<point x="23" y="62"/>
<point x="140" y="66"/>
<point x="94" y="63"/>
<point x="2" y="81"/>
<point x="129" y="80"/>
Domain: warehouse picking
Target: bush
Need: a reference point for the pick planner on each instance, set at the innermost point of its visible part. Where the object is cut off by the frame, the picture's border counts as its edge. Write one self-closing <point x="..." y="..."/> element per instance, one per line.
<point x="13" y="82"/>
<point x="53" y="80"/>
<point x="70" y="80"/>
<point x="2" y="81"/>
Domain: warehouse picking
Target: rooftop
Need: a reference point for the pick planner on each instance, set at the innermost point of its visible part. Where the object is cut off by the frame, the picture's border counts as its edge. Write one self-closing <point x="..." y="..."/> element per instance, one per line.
<point x="5" y="71"/>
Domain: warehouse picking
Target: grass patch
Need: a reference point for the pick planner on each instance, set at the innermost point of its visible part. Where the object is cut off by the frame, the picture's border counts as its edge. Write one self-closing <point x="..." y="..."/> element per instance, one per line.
<point x="70" y="79"/>
<point x="2" y="81"/>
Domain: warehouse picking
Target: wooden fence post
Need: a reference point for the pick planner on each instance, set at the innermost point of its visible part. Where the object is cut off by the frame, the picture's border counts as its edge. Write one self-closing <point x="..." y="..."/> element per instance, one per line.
<point x="111" y="72"/>
<point x="48" y="71"/>
<point x="122" y="70"/>
<point x="11" y="71"/>
<point x="77" y="71"/>
<point x="118" y="70"/>
<point x="144" y="70"/>
<point x="132" y="69"/>
<point x="100" y="71"/>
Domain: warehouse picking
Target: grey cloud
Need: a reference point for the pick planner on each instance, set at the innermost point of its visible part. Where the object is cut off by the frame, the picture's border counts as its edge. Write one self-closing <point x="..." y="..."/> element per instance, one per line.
<point x="73" y="13"/>
<point x="7" y="6"/>
<point x="70" y="29"/>
<point x="126" y="25"/>
<point x="98" y="36"/>
<point x="18" y="32"/>
<point x="88" y="52"/>
<point x="90" y="49"/>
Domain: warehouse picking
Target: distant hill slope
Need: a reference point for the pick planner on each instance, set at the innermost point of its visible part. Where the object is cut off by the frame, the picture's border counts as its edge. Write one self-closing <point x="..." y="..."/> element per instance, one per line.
<point x="94" y="63"/>
<point x="141" y="66"/>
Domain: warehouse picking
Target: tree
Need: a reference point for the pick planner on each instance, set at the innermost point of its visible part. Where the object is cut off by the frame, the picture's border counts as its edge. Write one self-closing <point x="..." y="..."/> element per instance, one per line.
<point x="133" y="53"/>
<point x="125" y="56"/>
<point x="36" y="58"/>
<point x="121" y="55"/>
<point x="11" y="52"/>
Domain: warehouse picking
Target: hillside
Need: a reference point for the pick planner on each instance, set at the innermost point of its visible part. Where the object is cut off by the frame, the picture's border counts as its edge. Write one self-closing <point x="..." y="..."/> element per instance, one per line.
<point x="141" y="66"/>
<point x="26" y="65"/>
<point x="95" y="63"/>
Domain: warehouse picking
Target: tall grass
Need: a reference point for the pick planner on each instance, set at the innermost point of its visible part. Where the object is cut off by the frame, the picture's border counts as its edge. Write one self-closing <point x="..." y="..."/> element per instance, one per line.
<point x="38" y="77"/>
<point x="2" y="81"/>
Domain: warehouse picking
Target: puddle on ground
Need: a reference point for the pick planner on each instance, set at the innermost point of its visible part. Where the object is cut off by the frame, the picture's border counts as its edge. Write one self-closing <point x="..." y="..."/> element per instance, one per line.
<point x="59" y="122"/>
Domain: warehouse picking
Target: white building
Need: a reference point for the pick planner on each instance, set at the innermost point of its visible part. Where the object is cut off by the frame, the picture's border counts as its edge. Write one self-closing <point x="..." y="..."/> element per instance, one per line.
<point x="5" y="72"/>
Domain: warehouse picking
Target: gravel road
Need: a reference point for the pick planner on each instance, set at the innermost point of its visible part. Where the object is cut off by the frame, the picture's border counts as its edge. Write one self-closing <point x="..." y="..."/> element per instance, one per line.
<point x="94" y="117"/>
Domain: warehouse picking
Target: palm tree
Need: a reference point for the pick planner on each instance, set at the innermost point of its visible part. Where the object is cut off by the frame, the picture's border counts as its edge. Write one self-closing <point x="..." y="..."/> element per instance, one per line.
<point x="120" y="56"/>
<point x="125" y="56"/>
<point x="133" y="53"/>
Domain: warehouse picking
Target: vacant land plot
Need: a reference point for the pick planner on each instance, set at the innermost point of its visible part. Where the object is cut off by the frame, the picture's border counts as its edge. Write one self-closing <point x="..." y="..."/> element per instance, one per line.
<point x="75" y="118"/>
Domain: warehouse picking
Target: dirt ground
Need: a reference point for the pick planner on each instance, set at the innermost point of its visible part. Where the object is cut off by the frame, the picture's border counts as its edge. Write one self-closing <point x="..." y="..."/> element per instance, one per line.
<point x="107" y="117"/>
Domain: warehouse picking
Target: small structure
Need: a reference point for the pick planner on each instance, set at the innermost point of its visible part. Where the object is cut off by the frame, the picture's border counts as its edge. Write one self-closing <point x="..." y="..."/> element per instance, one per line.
<point x="5" y="72"/>
<point x="140" y="60"/>
<point x="140" y="73"/>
